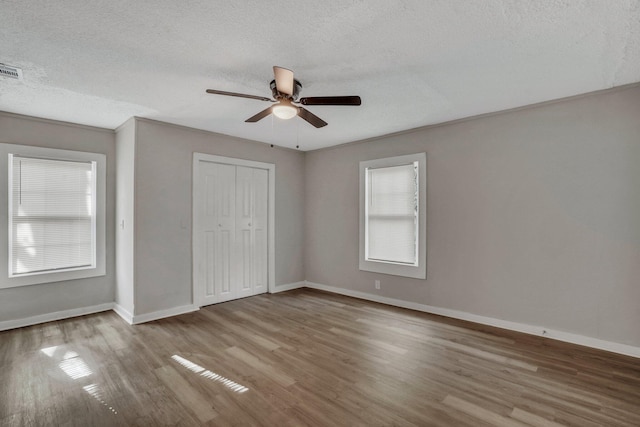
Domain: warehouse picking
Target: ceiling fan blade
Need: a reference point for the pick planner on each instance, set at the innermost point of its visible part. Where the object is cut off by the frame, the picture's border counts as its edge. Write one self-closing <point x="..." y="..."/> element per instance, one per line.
<point x="311" y="118"/>
<point x="261" y="115"/>
<point x="284" y="80"/>
<point x="331" y="100"/>
<point x="239" y="95"/>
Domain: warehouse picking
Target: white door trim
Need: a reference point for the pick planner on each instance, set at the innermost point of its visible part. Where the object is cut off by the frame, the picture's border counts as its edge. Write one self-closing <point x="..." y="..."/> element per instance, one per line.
<point x="271" y="245"/>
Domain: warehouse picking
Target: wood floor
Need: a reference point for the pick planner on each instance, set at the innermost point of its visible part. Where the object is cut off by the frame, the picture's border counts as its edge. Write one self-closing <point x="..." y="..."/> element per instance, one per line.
<point x="306" y="358"/>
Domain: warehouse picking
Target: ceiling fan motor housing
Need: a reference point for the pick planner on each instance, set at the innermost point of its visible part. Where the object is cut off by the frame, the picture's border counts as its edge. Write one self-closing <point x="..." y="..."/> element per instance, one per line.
<point x="279" y="95"/>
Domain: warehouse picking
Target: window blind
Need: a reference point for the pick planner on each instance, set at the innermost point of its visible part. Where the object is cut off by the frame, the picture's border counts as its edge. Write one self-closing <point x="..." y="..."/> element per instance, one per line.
<point x="52" y="215"/>
<point x="392" y="213"/>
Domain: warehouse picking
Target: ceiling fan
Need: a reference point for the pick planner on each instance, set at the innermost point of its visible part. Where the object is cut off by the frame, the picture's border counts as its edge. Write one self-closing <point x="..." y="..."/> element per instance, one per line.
<point x="285" y="90"/>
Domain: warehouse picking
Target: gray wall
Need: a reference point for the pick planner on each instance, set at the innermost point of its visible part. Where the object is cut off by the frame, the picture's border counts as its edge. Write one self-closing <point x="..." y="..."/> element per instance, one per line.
<point x="533" y="216"/>
<point x="26" y="301"/>
<point x="163" y="210"/>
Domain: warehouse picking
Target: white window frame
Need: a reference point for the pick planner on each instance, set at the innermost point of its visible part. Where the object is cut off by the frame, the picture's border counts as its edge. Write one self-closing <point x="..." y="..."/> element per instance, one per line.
<point x="419" y="270"/>
<point x="99" y="268"/>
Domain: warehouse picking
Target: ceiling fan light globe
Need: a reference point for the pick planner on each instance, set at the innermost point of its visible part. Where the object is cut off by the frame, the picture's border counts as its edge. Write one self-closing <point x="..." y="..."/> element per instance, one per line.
<point x="284" y="112"/>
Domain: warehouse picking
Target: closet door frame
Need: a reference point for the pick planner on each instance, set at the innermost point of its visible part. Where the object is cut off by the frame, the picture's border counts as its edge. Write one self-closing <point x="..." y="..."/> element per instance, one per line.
<point x="198" y="158"/>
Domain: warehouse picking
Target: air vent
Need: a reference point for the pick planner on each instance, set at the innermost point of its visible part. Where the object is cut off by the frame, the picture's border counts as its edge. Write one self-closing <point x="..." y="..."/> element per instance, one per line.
<point x="11" y="72"/>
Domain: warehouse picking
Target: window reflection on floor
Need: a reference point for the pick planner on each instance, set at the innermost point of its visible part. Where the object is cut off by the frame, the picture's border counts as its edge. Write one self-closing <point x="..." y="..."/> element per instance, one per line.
<point x="96" y="392"/>
<point x="76" y="368"/>
<point x="238" y="388"/>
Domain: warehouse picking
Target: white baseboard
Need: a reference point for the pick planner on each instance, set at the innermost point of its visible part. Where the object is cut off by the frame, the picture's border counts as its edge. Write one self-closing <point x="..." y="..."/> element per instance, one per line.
<point x="288" y="287"/>
<point x="614" y="347"/>
<point x="57" y="315"/>
<point x="161" y="314"/>
<point x="124" y="313"/>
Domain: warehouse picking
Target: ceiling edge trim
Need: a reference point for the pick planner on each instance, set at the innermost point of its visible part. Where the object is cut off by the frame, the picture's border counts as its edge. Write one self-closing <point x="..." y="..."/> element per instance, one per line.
<point x="55" y="122"/>
<point x="482" y="116"/>
<point x="211" y="133"/>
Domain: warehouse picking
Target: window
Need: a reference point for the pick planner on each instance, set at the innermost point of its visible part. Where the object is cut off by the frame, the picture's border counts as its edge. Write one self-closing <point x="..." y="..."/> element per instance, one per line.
<point x="56" y="215"/>
<point x="393" y="215"/>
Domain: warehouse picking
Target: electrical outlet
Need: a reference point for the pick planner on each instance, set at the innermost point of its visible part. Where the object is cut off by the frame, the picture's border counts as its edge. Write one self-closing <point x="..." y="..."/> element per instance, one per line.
<point x="377" y="284"/>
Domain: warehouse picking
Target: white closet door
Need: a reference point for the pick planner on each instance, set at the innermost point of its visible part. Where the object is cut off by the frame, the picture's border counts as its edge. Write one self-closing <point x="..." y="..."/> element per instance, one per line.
<point x="244" y="229"/>
<point x="217" y="213"/>
<point x="231" y="217"/>
<point x="251" y="230"/>
<point x="260" y="230"/>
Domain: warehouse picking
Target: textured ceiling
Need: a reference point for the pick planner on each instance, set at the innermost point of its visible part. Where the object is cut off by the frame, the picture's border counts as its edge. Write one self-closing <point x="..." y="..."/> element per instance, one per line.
<point x="413" y="63"/>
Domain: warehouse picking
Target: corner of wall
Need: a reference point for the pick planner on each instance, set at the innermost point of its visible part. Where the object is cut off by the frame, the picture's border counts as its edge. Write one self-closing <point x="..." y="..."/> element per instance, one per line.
<point x="125" y="219"/>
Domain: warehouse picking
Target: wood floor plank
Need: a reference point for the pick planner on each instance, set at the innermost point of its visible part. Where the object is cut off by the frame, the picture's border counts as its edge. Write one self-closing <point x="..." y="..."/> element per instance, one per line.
<point x="186" y="394"/>
<point x="306" y="358"/>
<point x="533" y="419"/>
<point x="481" y="413"/>
<point x="373" y="342"/>
<point x="251" y="360"/>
